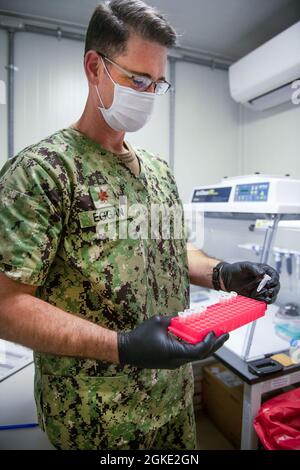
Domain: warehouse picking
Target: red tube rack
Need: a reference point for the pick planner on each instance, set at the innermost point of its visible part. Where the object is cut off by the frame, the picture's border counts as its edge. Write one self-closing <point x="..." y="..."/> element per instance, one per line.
<point x="219" y="318"/>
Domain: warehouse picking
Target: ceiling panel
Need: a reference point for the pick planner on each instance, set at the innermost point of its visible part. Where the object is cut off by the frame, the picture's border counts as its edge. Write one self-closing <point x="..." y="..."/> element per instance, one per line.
<point x="228" y="27"/>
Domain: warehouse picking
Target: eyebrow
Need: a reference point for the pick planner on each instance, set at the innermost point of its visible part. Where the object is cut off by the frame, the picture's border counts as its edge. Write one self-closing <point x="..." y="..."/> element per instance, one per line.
<point x="143" y="74"/>
<point x="133" y="72"/>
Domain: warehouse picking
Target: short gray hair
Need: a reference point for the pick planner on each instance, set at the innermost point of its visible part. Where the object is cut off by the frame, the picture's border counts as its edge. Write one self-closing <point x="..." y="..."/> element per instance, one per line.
<point x="112" y="23"/>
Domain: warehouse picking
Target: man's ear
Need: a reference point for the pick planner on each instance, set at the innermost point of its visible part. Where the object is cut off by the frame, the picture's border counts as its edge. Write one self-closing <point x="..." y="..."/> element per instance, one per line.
<point x="92" y="67"/>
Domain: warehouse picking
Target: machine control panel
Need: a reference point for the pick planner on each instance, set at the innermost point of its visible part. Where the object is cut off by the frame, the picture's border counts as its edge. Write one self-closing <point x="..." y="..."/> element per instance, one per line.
<point x="255" y="192"/>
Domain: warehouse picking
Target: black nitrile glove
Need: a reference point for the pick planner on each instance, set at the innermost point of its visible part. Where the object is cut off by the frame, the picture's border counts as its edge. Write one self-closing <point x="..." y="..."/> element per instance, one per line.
<point x="244" y="278"/>
<point x="151" y="346"/>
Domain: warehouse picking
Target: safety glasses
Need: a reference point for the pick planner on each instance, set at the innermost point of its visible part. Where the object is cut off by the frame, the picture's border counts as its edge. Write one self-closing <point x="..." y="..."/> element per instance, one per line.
<point x="141" y="82"/>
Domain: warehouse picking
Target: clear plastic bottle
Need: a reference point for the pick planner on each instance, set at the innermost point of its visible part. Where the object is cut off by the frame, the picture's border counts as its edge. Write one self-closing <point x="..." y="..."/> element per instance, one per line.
<point x="295" y="350"/>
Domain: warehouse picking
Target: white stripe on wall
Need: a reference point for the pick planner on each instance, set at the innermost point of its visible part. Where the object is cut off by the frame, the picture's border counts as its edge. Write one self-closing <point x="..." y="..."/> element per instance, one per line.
<point x="3" y="108"/>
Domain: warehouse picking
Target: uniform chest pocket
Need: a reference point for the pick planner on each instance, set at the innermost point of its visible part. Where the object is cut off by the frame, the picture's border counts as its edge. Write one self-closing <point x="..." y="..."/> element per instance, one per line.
<point x="118" y="259"/>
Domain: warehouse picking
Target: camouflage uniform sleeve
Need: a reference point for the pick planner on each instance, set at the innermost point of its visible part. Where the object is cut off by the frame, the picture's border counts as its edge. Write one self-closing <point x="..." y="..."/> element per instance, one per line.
<point x="31" y="220"/>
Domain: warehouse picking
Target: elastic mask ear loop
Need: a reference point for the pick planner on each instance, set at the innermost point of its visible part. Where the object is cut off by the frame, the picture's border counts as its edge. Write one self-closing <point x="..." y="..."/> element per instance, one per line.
<point x="106" y="70"/>
<point x="99" y="97"/>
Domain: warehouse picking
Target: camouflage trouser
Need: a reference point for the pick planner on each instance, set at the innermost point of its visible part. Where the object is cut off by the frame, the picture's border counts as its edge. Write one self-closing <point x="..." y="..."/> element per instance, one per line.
<point x="178" y="433"/>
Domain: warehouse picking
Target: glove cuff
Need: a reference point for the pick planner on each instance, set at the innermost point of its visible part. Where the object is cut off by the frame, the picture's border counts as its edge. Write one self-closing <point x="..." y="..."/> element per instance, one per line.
<point x="122" y="347"/>
<point x="216" y="276"/>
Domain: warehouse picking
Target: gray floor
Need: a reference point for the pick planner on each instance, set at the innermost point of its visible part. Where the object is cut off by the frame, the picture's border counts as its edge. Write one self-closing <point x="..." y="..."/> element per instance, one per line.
<point x="208" y="436"/>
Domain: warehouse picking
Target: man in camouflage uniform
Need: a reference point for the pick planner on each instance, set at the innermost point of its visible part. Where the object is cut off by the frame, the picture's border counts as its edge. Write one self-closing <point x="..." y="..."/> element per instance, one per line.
<point x="95" y="309"/>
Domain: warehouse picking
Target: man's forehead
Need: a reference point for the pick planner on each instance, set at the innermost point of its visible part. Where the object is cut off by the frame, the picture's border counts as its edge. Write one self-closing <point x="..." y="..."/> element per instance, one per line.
<point x="144" y="57"/>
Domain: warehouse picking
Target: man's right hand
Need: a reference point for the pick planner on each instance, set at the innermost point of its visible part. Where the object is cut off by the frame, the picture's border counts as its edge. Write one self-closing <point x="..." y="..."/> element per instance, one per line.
<point x="151" y="346"/>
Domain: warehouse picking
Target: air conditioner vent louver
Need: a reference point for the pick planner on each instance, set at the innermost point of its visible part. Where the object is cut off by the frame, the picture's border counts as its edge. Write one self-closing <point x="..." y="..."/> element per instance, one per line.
<point x="263" y="79"/>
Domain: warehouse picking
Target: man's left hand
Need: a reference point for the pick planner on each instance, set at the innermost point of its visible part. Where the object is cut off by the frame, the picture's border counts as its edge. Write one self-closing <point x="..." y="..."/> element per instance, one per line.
<point x="244" y="278"/>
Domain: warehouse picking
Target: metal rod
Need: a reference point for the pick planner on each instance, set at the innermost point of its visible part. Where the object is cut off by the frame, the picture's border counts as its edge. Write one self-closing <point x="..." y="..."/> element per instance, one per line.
<point x="11" y="91"/>
<point x="58" y="32"/>
<point x="55" y="27"/>
<point x="269" y="237"/>
<point x="172" y="110"/>
<point x="42" y="19"/>
<point x="206" y="62"/>
<point x="54" y="32"/>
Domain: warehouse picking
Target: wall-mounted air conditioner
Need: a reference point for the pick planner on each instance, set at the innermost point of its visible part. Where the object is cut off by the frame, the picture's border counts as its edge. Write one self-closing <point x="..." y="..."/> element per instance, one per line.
<point x="264" y="78"/>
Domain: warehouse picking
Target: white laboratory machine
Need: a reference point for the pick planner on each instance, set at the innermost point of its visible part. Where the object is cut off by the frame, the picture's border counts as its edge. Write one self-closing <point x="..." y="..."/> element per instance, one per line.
<point x="255" y="218"/>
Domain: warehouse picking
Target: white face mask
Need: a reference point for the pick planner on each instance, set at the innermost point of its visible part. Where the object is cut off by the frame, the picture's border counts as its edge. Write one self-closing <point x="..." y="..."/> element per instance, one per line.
<point x="130" y="109"/>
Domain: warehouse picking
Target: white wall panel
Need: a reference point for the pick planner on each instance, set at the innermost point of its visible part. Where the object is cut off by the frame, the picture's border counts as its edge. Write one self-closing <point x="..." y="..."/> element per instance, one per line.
<point x="207" y="130"/>
<point x="210" y="139"/>
<point x="3" y="108"/>
<point x="51" y="91"/>
<point x="50" y="86"/>
<point x="271" y="141"/>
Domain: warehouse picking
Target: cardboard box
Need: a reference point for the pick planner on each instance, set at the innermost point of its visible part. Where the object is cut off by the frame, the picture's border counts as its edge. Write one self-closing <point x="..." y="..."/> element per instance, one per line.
<point x="198" y="377"/>
<point x="222" y="400"/>
<point x="222" y="395"/>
